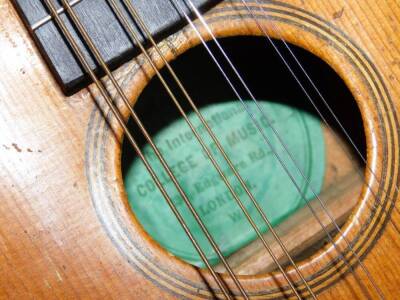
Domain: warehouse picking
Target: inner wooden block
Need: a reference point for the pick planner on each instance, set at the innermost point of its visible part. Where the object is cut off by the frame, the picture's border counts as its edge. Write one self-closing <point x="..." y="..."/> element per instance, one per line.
<point x="302" y="233"/>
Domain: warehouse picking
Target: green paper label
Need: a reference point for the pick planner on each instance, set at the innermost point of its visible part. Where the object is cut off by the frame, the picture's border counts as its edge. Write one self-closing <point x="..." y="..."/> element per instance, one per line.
<point x="255" y="162"/>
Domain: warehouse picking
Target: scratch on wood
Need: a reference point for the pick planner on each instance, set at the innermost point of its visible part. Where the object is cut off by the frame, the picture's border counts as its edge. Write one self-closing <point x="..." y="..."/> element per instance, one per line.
<point x="59" y="276"/>
<point x="338" y="14"/>
<point x="47" y="284"/>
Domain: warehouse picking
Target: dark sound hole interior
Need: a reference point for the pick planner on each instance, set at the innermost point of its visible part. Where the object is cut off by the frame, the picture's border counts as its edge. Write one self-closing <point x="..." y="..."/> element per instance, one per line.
<point x="272" y="84"/>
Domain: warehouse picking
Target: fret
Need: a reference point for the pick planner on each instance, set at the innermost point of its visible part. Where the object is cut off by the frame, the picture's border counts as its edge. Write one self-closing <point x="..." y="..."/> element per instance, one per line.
<point x="162" y="18"/>
<point x="49" y="17"/>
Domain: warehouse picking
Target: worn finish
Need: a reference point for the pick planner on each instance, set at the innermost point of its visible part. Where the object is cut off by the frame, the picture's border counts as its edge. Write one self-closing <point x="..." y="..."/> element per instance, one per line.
<point x="108" y="34"/>
<point x="66" y="230"/>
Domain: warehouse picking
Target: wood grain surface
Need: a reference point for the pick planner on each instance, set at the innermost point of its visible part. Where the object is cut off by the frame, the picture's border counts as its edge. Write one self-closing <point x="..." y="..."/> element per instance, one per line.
<point x="66" y="230"/>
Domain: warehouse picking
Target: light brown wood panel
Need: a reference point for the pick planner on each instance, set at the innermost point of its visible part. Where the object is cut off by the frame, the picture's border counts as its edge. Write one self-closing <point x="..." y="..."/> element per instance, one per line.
<point x="66" y="230"/>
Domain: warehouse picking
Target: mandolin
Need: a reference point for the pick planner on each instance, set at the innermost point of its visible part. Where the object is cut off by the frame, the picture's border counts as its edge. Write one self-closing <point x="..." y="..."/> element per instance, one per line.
<point x="198" y="149"/>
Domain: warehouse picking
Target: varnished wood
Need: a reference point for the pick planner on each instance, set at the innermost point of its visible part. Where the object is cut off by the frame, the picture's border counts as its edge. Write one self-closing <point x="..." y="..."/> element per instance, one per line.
<point x="59" y="237"/>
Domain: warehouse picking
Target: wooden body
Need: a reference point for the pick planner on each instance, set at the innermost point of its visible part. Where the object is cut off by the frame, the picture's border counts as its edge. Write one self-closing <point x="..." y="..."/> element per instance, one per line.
<point x="66" y="230"/>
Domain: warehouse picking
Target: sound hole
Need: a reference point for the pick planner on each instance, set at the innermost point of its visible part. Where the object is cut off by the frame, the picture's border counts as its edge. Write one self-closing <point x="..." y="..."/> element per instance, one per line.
<point x="329" y="166"/>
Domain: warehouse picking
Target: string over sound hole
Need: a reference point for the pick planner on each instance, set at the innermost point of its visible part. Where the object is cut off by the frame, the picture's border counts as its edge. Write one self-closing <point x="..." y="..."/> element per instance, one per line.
<point x="333" y="172"/>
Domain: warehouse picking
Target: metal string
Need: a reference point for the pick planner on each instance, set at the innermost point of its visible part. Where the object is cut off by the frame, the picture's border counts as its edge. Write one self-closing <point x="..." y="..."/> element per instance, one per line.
<point x="376" y="287"/>
<point x="112" y="0"/>
<point x="322" y="117"/>
<point x="100" y="60"/>
<point x="121" y="122"/>
<point x="266" y="138"/>
<point x="368" y="274"/>
<point x="48" y="18"/>
<point x="325" y="102"/>
<point x="98" y="57"/>
<point x="296" y="164"/>
<point x="135" y="38"/>
<point x="136" y="17"/>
